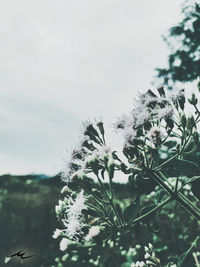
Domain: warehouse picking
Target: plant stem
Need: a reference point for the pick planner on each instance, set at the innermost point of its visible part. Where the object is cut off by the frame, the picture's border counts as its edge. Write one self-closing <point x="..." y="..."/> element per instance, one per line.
<point x="109" y="199"/>
<point x="167" y="161"/>
<point x="151" y="211"/>
<point x="179" y="197"/>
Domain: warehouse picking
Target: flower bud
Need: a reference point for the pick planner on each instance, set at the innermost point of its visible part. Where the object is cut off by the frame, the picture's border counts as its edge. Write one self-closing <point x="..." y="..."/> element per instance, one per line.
<point x="101" y="128"/>
<point x="190" y="123"/>
<point x="181" y="100"/>
<point x="161" y="91"/>
<point x="183" y="120"/>
<point x="196" y="137"/>
<point x="57" y="233"/>
<point x="111" y="167"/>
<point x="150" y="246"/>
<point x="193" y="100"/>
<point x="64" y="189"/>
<point x="169" y="125"/>
<point x="147" y="256"/>
<point x="94" y="164"/>
<point x="198" y="84"/>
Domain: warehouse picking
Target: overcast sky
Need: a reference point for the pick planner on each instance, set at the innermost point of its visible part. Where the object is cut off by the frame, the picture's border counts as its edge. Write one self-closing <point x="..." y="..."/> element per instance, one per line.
<point x="62" y="62"/>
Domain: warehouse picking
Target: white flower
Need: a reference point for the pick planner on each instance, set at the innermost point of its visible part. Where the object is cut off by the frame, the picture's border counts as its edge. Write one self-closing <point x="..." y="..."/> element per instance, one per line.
<point x="64" y="244"/>
<point x="146" y="249"/>
<point x="150" y="246"/>
<point x="122" y="121"/>
<point x="73" y="227"/>
<point x="73" y="218"/>
<point x="165" y="112"/>
<point x="94" y="231"/>
<point x="129" y="134"/>
<point x="140" y="115"/>
<point x="75" y="207"/>
<point x="57" y="233"/>
<point x="175" y="94"/>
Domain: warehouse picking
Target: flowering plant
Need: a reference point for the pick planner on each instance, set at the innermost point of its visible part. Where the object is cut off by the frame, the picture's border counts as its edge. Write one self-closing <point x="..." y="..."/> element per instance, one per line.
<point x="159" y="139"/>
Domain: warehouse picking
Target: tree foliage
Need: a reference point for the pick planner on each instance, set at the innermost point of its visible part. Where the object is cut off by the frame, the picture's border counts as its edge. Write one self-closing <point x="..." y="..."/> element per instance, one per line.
<point x="184" y="43"/>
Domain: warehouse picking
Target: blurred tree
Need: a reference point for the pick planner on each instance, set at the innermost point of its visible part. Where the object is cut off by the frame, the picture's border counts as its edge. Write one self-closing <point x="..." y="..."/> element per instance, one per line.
<point x="184" y="43"/>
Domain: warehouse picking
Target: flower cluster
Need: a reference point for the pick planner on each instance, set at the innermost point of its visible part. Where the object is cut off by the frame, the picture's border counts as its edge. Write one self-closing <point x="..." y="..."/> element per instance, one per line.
<point x="156" y="126"/>
<point x="89" y="154"/>
<point x="72" y="210"/>
<point x="150" y="110"/>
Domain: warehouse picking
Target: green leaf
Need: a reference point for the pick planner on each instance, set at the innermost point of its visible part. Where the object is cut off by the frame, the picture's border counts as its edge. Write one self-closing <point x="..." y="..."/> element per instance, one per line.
<point x="170" y="144"/>
<point x="179" y="167"/>
<point x="184" y="255"/>
<point x="131" y="212"/>
<point x="150" y="221"/>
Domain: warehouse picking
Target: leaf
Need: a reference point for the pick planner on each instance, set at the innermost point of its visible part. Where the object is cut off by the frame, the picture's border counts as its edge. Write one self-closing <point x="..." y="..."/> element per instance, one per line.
<point x="184" y="255"/>
<point x="131" y="212"/>
<point x="170" y="144"/>
<point x="179" y="167"/>
<point x="145" y="210"/>
<point x="150" y="221"/>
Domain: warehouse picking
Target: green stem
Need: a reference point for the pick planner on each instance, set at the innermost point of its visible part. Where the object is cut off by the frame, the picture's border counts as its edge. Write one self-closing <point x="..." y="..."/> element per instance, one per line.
<point x="151" y="211"/>
<point x="101" y="216"/>
<point x="109" y="199"/>
<point x="164" y="163"/>
<point x="176" y="186"/>
<point x="179" y="197"/>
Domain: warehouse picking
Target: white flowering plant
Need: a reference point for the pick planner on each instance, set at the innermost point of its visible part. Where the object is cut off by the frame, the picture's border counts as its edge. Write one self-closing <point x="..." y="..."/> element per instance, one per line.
<point x="97" y="223"/>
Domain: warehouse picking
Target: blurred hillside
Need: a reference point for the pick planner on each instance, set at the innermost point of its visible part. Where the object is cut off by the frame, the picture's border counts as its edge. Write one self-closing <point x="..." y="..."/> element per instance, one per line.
<point x="28" y="218"/>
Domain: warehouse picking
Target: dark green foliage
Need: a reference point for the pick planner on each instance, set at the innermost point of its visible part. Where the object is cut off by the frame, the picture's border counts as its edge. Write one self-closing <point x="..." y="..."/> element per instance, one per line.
<point x="184" y="39"/>
<point x="28" y="219"/>
<point x="131" y="212"/>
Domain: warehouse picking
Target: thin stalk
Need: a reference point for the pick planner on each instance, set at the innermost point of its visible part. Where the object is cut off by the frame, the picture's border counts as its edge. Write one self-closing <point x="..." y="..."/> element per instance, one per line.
<point x="176" y="186"/>
<point x="101" y="216"/>
<point x="179" y="197"/>
<point x="151" y="211"/>
<point x="167" y="161"/>
<point x="110" y="200"/>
